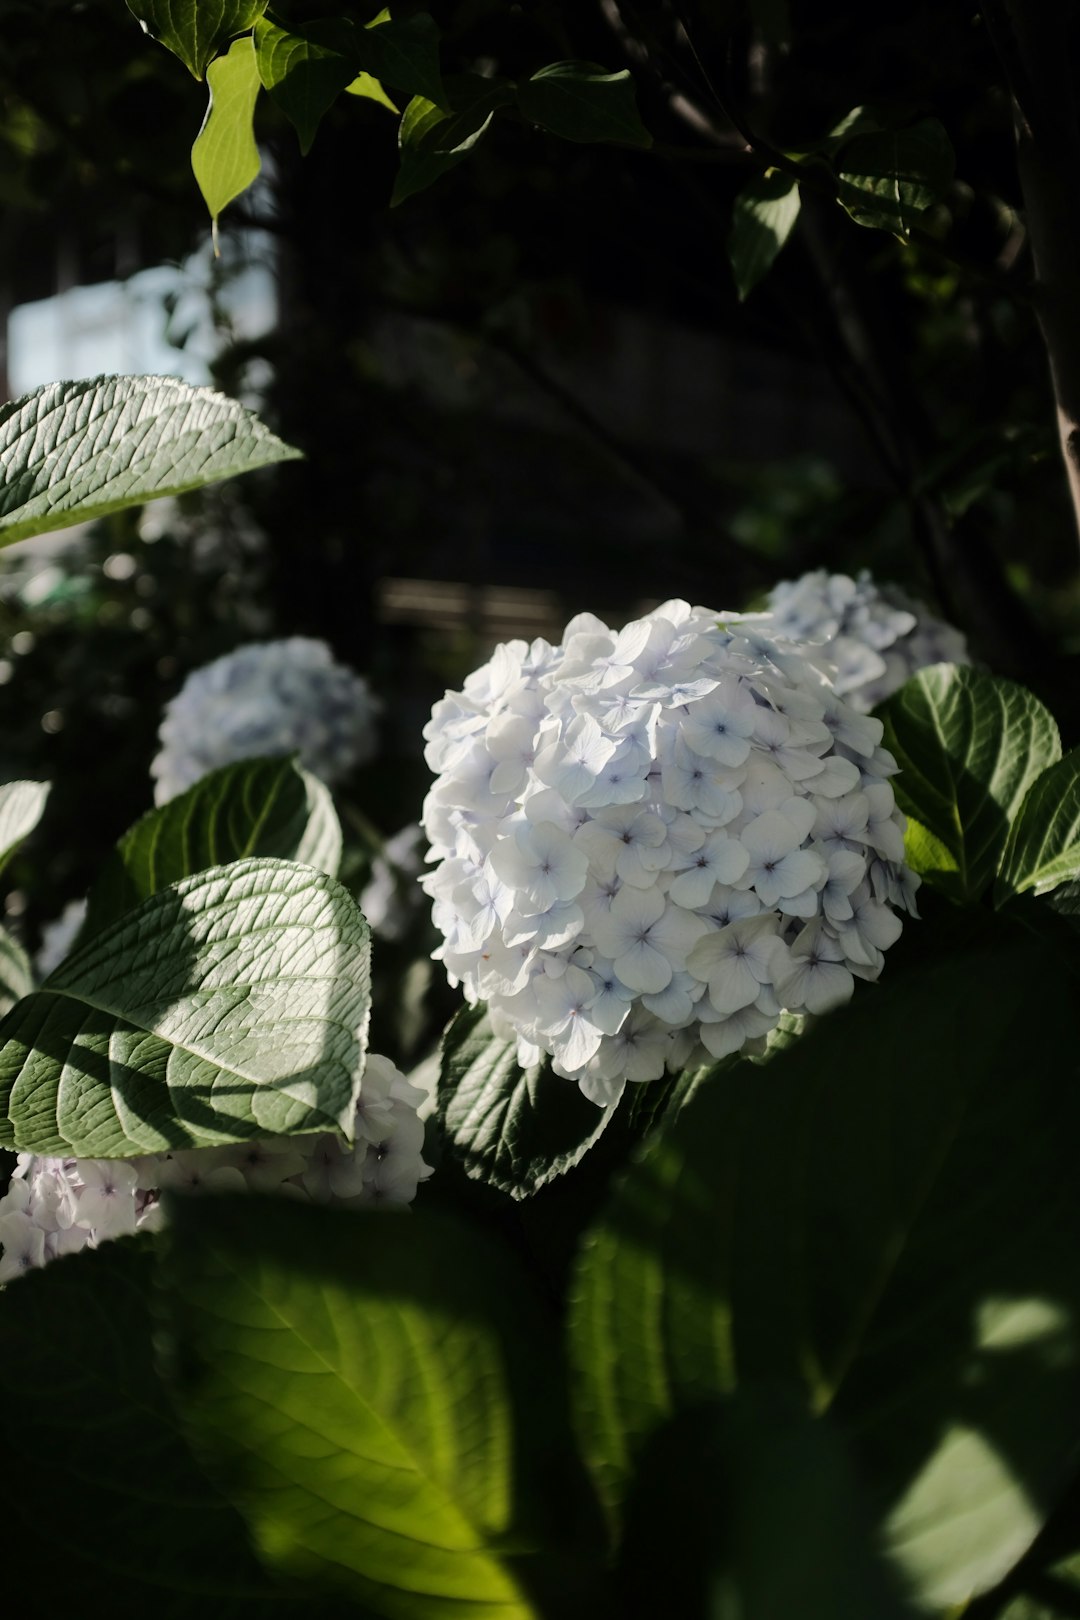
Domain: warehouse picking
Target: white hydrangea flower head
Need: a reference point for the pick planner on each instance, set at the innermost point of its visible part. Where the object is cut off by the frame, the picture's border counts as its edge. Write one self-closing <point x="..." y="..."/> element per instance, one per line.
<point x="870" y="638"/>
<point x="648" y="843"/>
<point x="55" y="1206"/>
<point x="270" y="697"/>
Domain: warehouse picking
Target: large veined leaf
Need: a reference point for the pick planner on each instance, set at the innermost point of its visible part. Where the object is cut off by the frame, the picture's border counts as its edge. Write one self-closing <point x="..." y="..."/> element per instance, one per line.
<point x="253" y="807"/>
<point x="432" y="140"/>
<point x="382" y="1400"/>
<point x="16" y="974"/>
<point x="751" y="1507"/>
<point x="886" y="1220"/>
<point x="228" y="1006"/>
<point x="306" y="69"/>
<point x="145" y="1531"/>
<point x="196" y="30"/>
<point x="21" y="805"/>
<point x="1044" y="842"/>
<point x="76" y="450"/>
<point x="512" y="1128"/>
<point x="765" y="213"/>
<point x="225" y="159"/>
<point x="583" y="102"/>
<point x="887" y="178"/>
<point x="969" y="747"/>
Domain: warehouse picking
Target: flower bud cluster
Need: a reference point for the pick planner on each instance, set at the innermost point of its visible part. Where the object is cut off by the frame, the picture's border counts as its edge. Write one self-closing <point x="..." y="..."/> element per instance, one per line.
<point x="56" y="1206"/>
<point x="871" y="638"/>
<point x="273" y="697"/>
<point x="650" y="842"/>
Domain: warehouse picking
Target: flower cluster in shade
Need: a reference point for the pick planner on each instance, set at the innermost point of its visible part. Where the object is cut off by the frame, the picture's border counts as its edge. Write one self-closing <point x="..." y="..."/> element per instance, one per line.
<point x="868" y="638"/>
<point x="56" y="1206"/>
<point x="271" y="697"/>
<point x="649" y="843"/>
<point x="390" y="900"/>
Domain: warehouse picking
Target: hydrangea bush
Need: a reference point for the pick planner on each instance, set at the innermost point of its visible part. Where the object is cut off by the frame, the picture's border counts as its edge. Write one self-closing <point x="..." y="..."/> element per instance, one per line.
<point x="872" y="638"/>
<point x="649" y="843"/>
<point x="273" y="697"/>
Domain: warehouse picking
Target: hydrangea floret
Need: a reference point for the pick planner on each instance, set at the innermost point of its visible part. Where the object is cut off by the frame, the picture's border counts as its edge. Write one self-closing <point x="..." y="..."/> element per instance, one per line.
<point x="272" y="697"/>
<point x="650" y="842"/>
<point x="56" y="1206"/>
<point x="871" y="638"/>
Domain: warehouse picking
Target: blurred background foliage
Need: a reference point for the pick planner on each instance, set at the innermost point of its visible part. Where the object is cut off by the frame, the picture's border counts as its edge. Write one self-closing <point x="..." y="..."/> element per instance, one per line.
<point x="531" y="389"/>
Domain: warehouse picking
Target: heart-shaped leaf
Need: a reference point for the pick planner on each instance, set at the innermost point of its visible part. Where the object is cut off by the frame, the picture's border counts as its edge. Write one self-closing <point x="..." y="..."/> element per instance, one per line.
<point x="225" y="159"/>
<point x="196" y="30"/>
<point x="228" y="1006"/>
<point x="76" y="450"/>
<point x="764" y="218"/>
<point x="580" y="101"/>
<point x="306" y="69"/>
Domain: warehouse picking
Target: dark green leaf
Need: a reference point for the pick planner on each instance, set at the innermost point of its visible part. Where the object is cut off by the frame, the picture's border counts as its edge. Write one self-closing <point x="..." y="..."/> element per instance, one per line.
<point x="196" y="30"/>
<point x="582" y="102"/>
<point x="381" y="1398"/>
<point x="21" y="806"/>
<point x="886" y="1221"/>
<point x="231" y="1005"/>
<point x="16" y="974"/>
<point x="225" y="159"/>
<point x="765" y="215"/>
<point x="404" y="52"/>
<point x="969" y="747"/>
<point x="750" y="1507"/>
<point x="306" y="69"/>
<point x="1044" y="841"/>
<point x="432" y="141"/>
<point x="77" y="450"/>
<point x="255" y="807"/>
<point x="147" y="1533"/>
<point x="888" y="178"/>
<point x="512" y="1128"/>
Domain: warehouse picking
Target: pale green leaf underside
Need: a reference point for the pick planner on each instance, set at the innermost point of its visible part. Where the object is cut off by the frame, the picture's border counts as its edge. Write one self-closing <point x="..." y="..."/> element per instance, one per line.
<point x="969" y="747"/>
<point x="1044" y="842"/>
<point x="225" y="159"/>
<point x="231" y="1005"/>
<point x="73" y="451"/>
<point x="195" y="30"/>
<point x="21" y="806"/>
<point x="354" y="1399"/>
<point x="764" y="217"/>
<point x="254" y="807"/>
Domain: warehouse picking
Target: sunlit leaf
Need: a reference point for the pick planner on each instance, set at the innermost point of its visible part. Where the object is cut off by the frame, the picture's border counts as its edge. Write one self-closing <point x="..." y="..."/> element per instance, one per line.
<point x="73" y="451"/>
<point x="225" y="159"/>
<point x="764" y="217"/>
<point x="21" y="807"/>
<point x="305" y="69"/>
<point x="1044" y="842"/>
<point x="433" y="141"/>
<point x="889" y="177"/>
<point x="231" y="1005"/>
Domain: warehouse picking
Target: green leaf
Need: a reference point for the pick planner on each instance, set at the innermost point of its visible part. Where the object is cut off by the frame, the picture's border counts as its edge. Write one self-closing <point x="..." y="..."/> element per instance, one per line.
<point x="432" y="141"/>
<point x="150" y="1534"/>
<point x="370" y="88"/>
<point x="196" y="30"/>
<point x="381" y="1398"/>
<point x="404" y="51"/>
<point x="887" y="178"/>
<point x="765" y="1510"/>
<point x="76" y="450"/>
<point x="21" y="807"/>
<point x="16" y="974"/>
<point x="225" y="159"/>
<point x="765" y="215"/>
<point x="887" y="1223"/>
<point x="969" y="747"/>
<point x="1044" y="840"/>
<point x="306" y="69"/>
<point x="254" y="807"/>
<point x="231" y="1005"/>
<point x="512" y="1128"/>
<point x="582" y="102"/>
